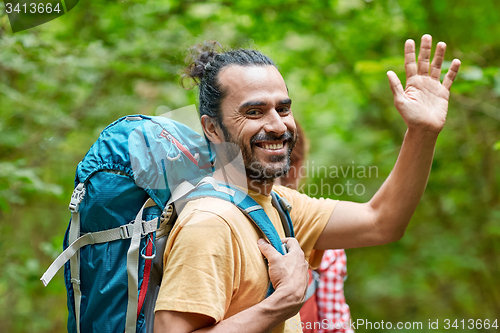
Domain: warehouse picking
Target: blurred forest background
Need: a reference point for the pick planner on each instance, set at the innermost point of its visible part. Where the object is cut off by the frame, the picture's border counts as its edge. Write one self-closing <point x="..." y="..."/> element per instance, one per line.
<point x="61" y="83"/>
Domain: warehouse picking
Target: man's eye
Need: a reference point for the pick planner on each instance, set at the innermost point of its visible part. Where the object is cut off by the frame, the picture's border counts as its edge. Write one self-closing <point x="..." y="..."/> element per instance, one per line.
<point x="283" y="110"/>
<point x="253" y="112"/>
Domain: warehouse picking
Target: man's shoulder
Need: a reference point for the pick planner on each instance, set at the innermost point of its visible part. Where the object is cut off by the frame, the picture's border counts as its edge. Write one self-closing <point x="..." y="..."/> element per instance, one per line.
<point x="283" y="189"/>
<point x="302" y="203"/>
<point x="202" y="217"/>
<point x="288" y="193"/>
<point x="208" y="208"/>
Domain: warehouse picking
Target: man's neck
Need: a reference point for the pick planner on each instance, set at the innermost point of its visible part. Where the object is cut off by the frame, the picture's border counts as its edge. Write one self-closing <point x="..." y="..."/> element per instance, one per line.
<point x="263" y="187"/>
<point x="240" y="179"/>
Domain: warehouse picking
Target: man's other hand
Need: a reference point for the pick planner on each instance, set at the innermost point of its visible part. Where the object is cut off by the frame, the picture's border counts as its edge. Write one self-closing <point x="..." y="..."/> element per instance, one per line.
<point x="288" y="273"/>
<point x="423" y="104"/>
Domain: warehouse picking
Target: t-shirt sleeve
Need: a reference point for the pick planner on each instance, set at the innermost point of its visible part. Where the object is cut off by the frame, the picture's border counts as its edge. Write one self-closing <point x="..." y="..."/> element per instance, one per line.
<point x="200" y="267"/>
<point x="309" y="218"/>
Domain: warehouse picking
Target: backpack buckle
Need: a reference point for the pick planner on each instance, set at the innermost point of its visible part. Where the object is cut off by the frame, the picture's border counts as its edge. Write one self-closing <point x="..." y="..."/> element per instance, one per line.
<point x="124" y="234"/>
<point x="285" y="204"/>
<point x="76" y="198"/>
<point x="143" y="251"/>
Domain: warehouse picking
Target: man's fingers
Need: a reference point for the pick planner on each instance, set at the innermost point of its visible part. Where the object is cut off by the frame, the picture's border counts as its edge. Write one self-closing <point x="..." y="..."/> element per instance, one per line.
<point x="395" y="83"/>
<point x="267" y="249"/>
<point x="295" y="249"/>
<point x="292" y="244"/>
<point x="270" y="252"/>
<point x="452" y="74"/>
<point x="424" y="55"/>
<point x="437" y="62"/>
<point x="410" y="64"/>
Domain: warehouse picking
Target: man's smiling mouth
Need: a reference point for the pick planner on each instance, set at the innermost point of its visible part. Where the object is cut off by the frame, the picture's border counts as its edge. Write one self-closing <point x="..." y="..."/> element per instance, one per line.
<point x="271" y="146"/>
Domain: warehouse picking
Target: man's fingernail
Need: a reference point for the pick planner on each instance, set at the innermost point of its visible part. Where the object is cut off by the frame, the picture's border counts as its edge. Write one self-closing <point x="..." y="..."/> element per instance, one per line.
<point x="261" y="241"/>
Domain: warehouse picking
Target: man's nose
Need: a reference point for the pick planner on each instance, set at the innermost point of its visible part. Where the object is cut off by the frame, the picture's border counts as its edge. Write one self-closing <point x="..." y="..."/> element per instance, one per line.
<point x="275" y="123"/>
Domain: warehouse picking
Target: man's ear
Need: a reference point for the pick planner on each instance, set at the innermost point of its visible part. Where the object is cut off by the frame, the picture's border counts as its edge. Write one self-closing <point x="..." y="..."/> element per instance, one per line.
<point x="211" y="129"/>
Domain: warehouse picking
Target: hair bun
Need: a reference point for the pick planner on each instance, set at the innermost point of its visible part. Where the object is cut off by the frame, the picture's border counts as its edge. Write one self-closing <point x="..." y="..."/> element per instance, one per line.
<point x="199" y="58"/>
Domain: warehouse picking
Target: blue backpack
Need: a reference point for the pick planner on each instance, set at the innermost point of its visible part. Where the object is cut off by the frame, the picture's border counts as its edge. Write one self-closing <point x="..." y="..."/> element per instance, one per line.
<point x="122" y="212"/>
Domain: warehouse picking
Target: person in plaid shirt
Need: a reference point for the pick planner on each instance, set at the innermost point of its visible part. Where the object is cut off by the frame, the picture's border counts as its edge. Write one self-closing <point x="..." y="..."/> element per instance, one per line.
<point x="327" y="304"/>
<point x="332" y="306"/>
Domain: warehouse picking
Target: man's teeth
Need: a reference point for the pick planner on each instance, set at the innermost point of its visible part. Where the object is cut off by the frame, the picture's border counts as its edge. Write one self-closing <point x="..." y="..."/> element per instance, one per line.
<point x="273" y="146"/>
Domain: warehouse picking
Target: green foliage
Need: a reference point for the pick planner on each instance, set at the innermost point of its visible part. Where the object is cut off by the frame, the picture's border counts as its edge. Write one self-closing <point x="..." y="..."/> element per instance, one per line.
<point x="61" y="83"/>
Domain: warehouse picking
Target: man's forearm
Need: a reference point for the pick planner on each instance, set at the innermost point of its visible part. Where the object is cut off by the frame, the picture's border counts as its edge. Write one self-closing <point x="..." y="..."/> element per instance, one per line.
<point x="385" y="217"/>
<point x="396" y="200"/>
<point x="260" y="318"/>
<point x="263" y="317"/>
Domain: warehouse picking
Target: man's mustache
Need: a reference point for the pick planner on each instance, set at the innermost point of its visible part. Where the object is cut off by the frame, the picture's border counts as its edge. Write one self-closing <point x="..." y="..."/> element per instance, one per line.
<point x="287" y="136"/>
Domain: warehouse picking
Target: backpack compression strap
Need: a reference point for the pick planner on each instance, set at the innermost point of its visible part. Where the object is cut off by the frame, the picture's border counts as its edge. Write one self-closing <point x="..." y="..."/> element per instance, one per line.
<point x="105" y="236"/>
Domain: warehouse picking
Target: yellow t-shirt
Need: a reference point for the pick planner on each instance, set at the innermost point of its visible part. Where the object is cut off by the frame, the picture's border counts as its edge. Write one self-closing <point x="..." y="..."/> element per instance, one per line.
<point x="213" y="265"/>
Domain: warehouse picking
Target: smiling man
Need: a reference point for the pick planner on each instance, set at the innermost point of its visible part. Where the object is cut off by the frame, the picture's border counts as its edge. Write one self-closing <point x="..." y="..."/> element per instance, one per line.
<point x="215" y="278"/>
<point x="265" y="138"/>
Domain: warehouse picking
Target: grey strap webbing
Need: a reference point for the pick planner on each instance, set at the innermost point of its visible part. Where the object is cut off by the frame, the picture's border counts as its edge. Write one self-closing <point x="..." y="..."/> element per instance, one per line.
<point x="215" y="185"/>
<point x="185" y="187"/>
<point x="251" y="209"/>
<point x="74" y="230"/>
<point x="156" y="274"/>
<point x="133" y="272"/>
<point x="280" y="208"/>
<point x="74" y="233"/>
<point x="123" y="232"/>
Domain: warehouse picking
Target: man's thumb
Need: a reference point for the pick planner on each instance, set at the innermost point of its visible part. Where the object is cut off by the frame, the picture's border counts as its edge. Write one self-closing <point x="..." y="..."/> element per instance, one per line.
<point x="267" y="249"/>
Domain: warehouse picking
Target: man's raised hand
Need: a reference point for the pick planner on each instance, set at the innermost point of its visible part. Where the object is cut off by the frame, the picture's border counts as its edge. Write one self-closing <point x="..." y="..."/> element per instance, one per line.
<point x="423" y="104"/>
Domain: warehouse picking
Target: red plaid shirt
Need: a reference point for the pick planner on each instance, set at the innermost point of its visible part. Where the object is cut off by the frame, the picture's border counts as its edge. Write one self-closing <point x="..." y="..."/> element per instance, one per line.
<point x="332" y="307"/>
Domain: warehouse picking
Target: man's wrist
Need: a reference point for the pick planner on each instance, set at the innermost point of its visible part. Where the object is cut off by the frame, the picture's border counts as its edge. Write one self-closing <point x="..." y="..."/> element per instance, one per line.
<point x="422" y="134"/>
<point x="283" y="303"/>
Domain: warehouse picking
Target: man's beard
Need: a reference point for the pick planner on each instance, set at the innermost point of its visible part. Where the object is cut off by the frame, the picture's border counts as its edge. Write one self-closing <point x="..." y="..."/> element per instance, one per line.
<point x="254" y="168"/>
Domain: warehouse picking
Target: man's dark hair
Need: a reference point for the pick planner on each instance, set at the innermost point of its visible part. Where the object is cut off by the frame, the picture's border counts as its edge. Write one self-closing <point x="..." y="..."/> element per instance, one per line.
<point x="205" y="63"/>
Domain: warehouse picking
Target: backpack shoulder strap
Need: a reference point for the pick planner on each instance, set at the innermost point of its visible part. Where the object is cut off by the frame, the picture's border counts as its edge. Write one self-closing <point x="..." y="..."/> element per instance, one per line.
<point x="248" y="206"/>
<point x="284" y="208"/>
